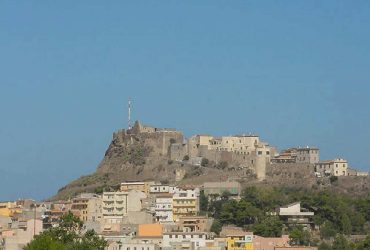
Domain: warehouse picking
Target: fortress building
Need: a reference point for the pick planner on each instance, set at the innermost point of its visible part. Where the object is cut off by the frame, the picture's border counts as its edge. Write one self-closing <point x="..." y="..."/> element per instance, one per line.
<point x="159" y="139"/>
<point x="247" y="153"/>
<point x="244" y="151"/>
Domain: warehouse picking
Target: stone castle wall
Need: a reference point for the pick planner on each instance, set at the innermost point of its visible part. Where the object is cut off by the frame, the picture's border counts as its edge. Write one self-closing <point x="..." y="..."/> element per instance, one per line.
<point x="159" y="140"/>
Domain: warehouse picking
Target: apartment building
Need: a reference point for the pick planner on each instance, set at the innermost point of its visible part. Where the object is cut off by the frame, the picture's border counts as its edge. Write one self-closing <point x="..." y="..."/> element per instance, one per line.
<point x="185" y="203"/>
<point x="163" y="208"/>
<point x="88" y="207"/>
<point x="114" y="206"/>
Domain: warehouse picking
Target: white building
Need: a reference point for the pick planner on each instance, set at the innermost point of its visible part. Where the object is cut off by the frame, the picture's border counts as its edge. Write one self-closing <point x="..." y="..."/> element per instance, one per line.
<point x="163" y="208"/>
<point x="294" y="214"/>
<point x="161" y="188"/>
<point x="132" y="246"/>
<point x="172" y="240"/>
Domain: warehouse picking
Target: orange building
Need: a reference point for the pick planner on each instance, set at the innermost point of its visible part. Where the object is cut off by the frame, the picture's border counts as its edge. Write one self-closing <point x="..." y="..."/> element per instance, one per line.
<point x="150" y="230"/>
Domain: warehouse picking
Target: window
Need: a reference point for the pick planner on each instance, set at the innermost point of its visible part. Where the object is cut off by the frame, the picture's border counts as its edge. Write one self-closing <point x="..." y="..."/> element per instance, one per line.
<point x="259" y="152"/>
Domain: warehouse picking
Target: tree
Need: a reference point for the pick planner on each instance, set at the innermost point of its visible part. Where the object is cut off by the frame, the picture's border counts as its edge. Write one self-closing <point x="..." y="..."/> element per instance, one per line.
<point x="327" y="230"/>
<point x="43" y="242"/>
<point x="222" y="165"/>
<point x="364" y="245"/>
<point x="216" y="227"/>
<point x="340" y="243"/>
<point x="204" y="162"/>
<point x="299" y="237"/>
<point x="67" y="236"/>
<point x="325" y="246"/>
<point x="270" y="226"/>
<point x="225" y="195"/>
<point x="346" y="225"/>
<point x="203" y="202"/>
<point x="333" y="179"/>
<point x="186" y="158"/>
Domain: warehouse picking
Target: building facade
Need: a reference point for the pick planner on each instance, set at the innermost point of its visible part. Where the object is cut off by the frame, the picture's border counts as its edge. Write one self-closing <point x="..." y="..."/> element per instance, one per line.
<point x="163" y="208"/>
<point x="114" y="206"/>
<point x="293" y="214"/>
<point x="88" y="207"/>
<point x="185" y="203"/>
<point x="174" y="240"/>
<point x="336" y="167"/>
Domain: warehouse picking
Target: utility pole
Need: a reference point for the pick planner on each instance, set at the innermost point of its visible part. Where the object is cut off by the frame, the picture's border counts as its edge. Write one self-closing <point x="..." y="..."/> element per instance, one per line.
<point x="129" y="113"/>
<point x="34" y="220"/>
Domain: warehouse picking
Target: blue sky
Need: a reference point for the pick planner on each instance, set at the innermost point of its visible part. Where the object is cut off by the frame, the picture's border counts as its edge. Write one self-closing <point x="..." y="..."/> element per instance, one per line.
<point x="295" y="72"/>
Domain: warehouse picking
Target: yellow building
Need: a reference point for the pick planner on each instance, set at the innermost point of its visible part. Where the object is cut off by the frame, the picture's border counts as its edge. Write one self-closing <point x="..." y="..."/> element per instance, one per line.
<point x="185" y="203"/>
<point x="240" y="242"/>
<point x="9" y="208"/>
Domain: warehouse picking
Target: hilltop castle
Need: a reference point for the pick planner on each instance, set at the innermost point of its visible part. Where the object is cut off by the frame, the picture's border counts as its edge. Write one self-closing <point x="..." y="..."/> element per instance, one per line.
<point x="244" y="152"/>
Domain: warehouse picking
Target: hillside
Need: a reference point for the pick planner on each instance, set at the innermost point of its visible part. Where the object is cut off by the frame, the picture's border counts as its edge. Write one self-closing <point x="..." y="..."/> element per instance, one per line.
<point x="141" y="156"/>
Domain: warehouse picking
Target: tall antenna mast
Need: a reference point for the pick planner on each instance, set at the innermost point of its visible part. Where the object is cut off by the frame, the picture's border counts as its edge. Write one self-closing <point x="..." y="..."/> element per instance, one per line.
<point x="129" y="113"/>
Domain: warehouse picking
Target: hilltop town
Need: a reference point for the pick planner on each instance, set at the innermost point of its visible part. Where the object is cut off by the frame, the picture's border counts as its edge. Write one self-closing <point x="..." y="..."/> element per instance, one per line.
<point x="156" y="189"/>
<point x="145" y="153"/>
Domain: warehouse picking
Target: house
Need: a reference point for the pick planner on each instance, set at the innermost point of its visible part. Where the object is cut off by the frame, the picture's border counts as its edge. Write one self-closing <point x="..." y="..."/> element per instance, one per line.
<point x="336" y="167"/>
<point x="19" y="237"/>
<point x="194" y="223"/>
<point x="307" y="155"/>
<point x="293" y="214"/>
<point x="240" y="241"/>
